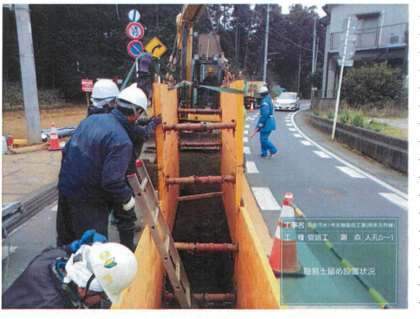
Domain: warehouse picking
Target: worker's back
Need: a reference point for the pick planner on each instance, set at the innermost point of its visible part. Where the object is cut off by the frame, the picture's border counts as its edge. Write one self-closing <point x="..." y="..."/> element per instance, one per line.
<point x="95" y="159"/>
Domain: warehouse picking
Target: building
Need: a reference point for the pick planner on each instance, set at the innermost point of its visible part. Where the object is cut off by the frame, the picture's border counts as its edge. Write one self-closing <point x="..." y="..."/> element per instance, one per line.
<point x="381" y="34"/>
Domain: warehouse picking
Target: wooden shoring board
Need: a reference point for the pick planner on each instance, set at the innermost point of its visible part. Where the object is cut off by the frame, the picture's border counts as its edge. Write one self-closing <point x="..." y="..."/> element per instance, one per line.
<point x="232" y="152"/>
<point x="146" y="290"/>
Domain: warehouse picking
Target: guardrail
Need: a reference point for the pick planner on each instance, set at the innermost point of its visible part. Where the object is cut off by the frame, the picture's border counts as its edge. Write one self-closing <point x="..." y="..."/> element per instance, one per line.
<point x="16" y="213"/>
<point x="387" y="150"/>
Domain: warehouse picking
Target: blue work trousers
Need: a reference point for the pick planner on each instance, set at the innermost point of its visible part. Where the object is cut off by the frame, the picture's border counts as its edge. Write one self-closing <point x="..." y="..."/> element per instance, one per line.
<point x="266" y="145"/>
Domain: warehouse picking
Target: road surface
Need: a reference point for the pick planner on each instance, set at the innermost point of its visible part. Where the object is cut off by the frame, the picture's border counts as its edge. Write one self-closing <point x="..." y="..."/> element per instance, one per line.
<point x="331" y="185"/>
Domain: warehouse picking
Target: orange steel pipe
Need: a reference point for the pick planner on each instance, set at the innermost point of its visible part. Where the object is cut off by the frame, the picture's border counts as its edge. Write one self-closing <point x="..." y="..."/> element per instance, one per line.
<point x="200" y="111"/>
<point x="199" y="196"/>
<point x="223" y="247"/>
<point x="200" y="180"/>
<point x="206" y="297"/>
<point x="198" y="126"/>
<point x="201" y="144"/>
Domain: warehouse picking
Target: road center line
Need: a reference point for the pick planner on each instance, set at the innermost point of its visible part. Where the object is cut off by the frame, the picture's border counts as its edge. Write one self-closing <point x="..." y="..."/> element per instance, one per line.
<point x="350" y="172"/>
<point x="251" y="168"/>
<point x="395" y="199"/>
<point x="247" y="150"/>
<point x="265" y="198"/>
<point x="245" y="139"/>
<point x="371" y="177"/>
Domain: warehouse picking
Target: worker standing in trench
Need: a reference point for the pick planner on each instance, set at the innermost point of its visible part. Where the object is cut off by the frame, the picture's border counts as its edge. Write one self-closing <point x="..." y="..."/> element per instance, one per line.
<point x="84" y="274"/>
<point x="266" y="123"/>
<point x="93" y="171"/>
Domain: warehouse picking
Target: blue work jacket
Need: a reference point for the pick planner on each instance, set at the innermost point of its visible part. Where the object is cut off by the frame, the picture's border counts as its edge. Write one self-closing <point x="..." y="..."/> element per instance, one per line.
<point x="266" y="122"/>
<point x="96" y="158"/>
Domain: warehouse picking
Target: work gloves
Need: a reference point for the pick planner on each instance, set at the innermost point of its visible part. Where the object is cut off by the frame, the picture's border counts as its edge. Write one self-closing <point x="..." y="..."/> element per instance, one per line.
<point x="89" y="237"/>
<point x="129" y="205"/>
<point x="155" y="120"/>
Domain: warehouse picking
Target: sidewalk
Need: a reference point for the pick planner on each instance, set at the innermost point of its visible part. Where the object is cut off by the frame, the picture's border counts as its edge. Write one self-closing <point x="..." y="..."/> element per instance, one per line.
<point x="24" y="174"/>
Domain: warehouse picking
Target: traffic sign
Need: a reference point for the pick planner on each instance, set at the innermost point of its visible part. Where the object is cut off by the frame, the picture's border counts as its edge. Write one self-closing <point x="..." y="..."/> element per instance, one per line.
<point x="87" y="85"/>
<point x="134" y="30"/>
<point x="135" y="48"/>
<point x="155" y="47"/>
<point x="134" y="15"/>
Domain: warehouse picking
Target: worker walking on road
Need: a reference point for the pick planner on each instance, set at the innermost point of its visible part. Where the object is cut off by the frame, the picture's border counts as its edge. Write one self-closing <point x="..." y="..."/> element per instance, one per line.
<point x="93" y="171"/>
<point x="266" y="123"/>
<point x="104" y="94"/>
<point x="85" y="274"/>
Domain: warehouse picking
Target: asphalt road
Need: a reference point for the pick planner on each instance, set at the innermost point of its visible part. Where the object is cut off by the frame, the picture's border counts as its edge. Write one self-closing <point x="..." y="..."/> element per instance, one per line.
<point x="331" y="185"/>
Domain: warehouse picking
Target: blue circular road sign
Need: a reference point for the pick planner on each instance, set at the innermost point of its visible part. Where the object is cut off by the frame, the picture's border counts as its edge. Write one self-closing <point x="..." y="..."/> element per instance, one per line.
<point x="135" y="48"/>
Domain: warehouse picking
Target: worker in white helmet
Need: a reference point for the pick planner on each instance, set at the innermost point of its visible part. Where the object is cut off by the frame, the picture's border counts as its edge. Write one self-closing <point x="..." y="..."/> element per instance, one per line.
<point x="104" y="93"/>
<point x="91" y="276"/>
<point x="94" y="168"/>
<point x="266" y="123"/>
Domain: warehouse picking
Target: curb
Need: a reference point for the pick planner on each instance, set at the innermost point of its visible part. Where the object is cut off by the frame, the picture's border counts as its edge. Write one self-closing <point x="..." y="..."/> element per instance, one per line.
<point x="392" y="152"/>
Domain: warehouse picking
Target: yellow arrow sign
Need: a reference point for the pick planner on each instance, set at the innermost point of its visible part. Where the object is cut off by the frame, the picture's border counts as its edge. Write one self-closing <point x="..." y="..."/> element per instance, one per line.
<point x="155" y="47"/>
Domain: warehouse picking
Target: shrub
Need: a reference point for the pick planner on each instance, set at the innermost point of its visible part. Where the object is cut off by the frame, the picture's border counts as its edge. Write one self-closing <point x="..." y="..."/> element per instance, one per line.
<point x="345" y="117"/>
<point x="374" y="84"/>
<point x="358" y="120"/>
<point x="330" y="115"/>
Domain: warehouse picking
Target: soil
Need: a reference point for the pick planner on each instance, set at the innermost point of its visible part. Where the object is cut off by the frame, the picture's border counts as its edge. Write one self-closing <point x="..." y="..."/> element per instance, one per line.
<point x="14" y="122"/>
<point x="204" y="221"/>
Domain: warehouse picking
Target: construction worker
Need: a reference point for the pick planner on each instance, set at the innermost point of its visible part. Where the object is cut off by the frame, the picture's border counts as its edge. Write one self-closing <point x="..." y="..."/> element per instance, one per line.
<point x="93" y="171"/>
<point x="91" y="276"/>
<point x="266" y="123"/>
<point x="104" y="93"/>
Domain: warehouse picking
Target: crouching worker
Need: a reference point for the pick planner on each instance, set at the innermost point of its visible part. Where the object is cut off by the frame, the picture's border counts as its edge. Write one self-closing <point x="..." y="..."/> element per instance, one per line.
<point x="88" y="273"/>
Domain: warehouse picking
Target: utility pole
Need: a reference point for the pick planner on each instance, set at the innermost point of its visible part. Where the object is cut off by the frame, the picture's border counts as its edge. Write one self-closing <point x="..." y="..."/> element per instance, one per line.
<point x="28" y="74"/>
<point x="299" y="71"/>
<point x="314" y="58"/>
<point x="267" y="28"/>
<point x="337" y="101"/>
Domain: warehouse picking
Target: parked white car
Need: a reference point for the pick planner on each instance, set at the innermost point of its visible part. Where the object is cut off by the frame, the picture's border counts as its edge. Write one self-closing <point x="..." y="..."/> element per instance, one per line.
<point x="287" y="101"/>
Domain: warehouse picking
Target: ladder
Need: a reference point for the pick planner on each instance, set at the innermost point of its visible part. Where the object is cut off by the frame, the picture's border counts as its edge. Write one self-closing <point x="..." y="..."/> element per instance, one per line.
<point x="148" y="204"/>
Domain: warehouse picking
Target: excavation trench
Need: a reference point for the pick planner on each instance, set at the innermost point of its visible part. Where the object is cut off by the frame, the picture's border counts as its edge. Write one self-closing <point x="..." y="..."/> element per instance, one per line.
<point x="203" y="221"/>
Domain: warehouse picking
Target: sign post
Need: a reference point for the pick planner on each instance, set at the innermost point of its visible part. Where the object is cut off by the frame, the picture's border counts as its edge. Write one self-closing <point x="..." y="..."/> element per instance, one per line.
<point x="345" y="61"/>
<point x="87" y="86"/>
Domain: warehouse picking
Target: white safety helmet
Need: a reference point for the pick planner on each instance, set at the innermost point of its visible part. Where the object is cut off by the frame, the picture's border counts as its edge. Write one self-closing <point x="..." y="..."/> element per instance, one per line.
<point x="104" y="91"/>
<point x="133" y="98"/>
<point x="263" y="89"/>
<point x="113" y="265"/>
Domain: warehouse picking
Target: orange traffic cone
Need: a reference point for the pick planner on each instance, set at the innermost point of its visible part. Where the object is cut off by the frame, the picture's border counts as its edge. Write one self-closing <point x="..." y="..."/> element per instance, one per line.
<point x="54" y="140"/>
<point x="283" y="258"/>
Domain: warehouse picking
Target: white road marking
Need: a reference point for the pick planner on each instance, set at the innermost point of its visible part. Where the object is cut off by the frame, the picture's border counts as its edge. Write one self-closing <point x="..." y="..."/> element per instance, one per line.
<point x="395" y="199"/>
<point x="7" y="251"/>
<point x="292" y="129"/>
<point x="247" y="150"/>
<point x="54" y="209"/>
<point x="245" y="139"/>
<point x="246" y="125"/>
<point x="322" y="154"/>
<point x="371" y="177"/>
<point x="265" y="198"/>
<point x="297" y="135"/>
<point x="251" y="168"/>
<point x="306" y="143"/>
<point x="290" y="124"/>
<point x="246" y="132"/>
<point x="350" y="172"/>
